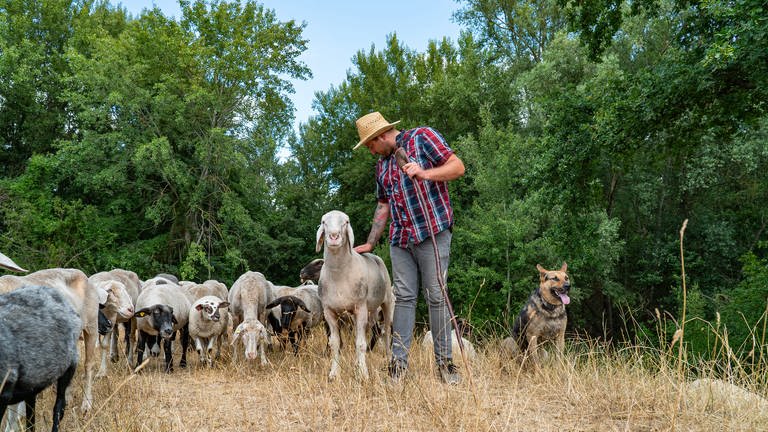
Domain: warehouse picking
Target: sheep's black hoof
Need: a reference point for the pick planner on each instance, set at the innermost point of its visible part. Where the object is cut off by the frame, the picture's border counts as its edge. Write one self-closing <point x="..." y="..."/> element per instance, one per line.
<point x="183" y="364"/>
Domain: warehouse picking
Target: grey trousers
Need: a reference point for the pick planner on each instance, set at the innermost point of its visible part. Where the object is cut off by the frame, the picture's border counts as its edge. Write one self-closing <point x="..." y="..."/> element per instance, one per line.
<point x="412" y="267"/>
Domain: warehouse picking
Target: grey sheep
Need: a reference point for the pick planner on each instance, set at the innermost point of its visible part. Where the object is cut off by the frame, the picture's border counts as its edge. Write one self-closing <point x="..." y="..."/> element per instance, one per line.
<point x="39" y="330"/>
<point x="74" y="285"/>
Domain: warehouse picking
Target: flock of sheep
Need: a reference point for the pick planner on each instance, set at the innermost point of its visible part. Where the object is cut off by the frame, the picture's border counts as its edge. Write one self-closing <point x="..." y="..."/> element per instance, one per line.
<point x="43" y="315"/>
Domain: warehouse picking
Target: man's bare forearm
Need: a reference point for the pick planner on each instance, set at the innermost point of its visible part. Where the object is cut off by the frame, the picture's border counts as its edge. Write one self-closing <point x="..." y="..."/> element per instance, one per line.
<point x="380" y="217"/>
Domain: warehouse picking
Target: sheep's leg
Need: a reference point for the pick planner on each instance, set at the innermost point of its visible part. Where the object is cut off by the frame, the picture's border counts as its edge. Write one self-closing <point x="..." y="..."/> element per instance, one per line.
<point x="130" y="337"/>
<point x="167" y="348"/>
<point x="219" y="340"/>
<point x="199" y="349"/>
<point x="293" y="337"/>
<point x="90" y="339"/>
<point x="262" y="354"/>
<point x="333" y="341"/>
<point x="184" y="345"/>
<point x="142" y="341"/>
<point x="361" y="345"/>
<point x="114" y="356"/>
<point x="211" y="343"/>
<point x="387" y="310"/>
<point x="375" y="334"/>
<point x="104" y="342"/>
<point x="16" y="417"/>
<point x="61" y="400"/>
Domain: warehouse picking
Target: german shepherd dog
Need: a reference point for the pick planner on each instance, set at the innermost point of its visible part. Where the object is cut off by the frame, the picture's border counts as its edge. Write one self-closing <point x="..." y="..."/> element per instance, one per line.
<point x="543" y="317"/>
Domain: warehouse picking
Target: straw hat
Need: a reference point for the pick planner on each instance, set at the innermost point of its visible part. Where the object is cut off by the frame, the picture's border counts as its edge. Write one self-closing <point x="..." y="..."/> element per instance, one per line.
<point x="370" y="126"/>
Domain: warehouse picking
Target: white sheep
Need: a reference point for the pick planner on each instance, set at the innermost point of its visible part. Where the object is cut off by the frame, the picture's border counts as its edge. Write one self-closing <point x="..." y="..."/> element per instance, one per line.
<point x="427" y="345"/>
<point x="208" y="288"/>
<point x="354" y="283"/>
<point x="117" y="306"/>
<point x="208" y="320"/>
<point x="162" y="309"/>
<point x="83" y="297"/>
<point x="39" y="330"/>
<point x="133" y="287"/>
<point x="248" y="298"/>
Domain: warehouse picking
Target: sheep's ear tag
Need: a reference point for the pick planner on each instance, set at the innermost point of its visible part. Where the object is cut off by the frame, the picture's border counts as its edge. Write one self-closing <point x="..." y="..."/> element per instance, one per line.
<point x="238" y="330"/>
<point x="141" y="314"/>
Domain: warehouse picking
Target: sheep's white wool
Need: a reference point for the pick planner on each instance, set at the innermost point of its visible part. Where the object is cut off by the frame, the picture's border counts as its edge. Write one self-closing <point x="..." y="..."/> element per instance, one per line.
<point x="351" y="282"/>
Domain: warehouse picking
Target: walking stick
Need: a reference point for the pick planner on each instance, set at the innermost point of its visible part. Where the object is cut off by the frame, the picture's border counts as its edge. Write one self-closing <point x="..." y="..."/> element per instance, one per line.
<point x="401" y="159"/>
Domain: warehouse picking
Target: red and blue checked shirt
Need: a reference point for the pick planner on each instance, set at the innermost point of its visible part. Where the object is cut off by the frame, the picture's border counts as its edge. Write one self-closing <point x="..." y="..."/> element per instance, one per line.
<point x="426" y="147"/>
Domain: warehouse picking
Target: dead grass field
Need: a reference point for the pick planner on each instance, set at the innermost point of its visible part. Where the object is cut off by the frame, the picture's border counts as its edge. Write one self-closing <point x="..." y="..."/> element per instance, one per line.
<point x="591" y="388"/>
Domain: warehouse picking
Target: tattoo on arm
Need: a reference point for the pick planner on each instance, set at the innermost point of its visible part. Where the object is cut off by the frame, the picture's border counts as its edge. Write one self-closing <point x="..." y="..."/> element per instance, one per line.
<point x="380" y="216"/>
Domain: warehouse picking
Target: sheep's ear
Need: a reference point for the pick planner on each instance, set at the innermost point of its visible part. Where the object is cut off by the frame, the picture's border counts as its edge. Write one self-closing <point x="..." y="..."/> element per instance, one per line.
<point x="276" y="302"/>
<point x="174" y="320"/>
<point x="8" y="263"/>
<point x="223" y="305"/>
<point x="141" y="313"/>
<point x="301" y="304"/>
<point x="199" y="306"/>
<point x="350" y="237"/>
<point x="319" y="238"/>
<point x="236" y="334"/>
<point x="103" y="295"/>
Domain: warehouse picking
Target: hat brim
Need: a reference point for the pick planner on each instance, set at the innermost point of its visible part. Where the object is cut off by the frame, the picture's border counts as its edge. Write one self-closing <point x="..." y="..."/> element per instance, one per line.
<point x="375" y="133"/>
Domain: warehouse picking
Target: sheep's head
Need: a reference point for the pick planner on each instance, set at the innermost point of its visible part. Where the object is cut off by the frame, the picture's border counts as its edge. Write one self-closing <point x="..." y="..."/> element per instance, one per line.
<point x="335" y="230"/>
<point x="288" y="307"/>
<point x="311" y="271"/>
<point x="161" y="318"/>
<point x="251" y="333"/>
<point x="115" y="298"/>
<point x="209" y="307"/>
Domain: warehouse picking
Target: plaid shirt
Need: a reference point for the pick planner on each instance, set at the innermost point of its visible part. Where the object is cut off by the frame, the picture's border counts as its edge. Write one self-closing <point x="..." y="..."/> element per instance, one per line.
<point x="426" y="147"/>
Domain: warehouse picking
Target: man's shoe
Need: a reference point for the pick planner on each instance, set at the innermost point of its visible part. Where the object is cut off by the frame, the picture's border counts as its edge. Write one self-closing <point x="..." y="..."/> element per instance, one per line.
<point x="396" y="371"/>
<point x="449" y="373"/>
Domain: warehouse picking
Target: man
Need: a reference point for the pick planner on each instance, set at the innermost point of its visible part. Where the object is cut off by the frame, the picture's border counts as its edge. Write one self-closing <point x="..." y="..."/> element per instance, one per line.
<point x="431" y="165"/>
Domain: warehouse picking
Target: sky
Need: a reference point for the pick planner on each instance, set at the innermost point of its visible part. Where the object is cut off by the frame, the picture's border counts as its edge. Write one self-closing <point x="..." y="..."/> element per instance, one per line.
<point x="337" y="29"/>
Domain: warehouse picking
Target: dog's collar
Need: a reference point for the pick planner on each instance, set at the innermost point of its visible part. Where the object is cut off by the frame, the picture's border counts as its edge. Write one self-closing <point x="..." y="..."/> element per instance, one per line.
<point x="549" y="307"/>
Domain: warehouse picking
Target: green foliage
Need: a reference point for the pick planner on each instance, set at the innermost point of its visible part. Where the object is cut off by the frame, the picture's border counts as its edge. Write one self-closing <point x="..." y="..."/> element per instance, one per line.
<point x="744" y="310"/>
<point x="195" y="265"/>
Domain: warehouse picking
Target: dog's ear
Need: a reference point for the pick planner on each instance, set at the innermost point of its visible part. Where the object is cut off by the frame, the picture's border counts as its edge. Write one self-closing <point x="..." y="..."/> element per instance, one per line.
<point x="564" y="268"/>
<point x="542" y="271"/>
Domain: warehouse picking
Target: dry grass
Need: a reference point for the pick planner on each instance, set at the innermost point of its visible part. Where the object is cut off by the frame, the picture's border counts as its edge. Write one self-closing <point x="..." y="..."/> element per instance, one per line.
<point x="591" y="388"/>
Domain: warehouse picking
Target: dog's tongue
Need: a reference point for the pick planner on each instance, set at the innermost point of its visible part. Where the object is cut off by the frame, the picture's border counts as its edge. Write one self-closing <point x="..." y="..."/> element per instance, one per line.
<point x="564" y="298"/>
